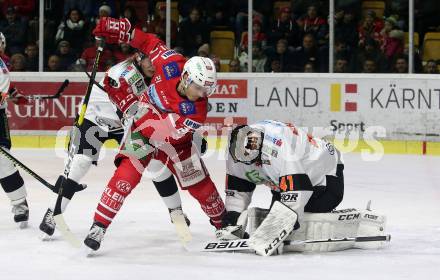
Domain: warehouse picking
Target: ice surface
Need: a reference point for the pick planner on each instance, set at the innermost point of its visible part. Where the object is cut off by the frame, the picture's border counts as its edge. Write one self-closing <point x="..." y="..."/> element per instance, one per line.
<point x="142" y="244"/>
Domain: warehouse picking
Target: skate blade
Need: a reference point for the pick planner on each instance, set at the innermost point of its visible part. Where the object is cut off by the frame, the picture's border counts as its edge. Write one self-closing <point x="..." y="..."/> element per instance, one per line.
<point x="45" y="237"/>
<point x="23" y="225"/>
<point x="88" y="252"/>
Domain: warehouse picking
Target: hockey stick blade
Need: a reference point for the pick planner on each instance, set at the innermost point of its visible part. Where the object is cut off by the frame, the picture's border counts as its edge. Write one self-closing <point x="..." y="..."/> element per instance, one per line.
<point x="55" y="96"/>
<point x="27" y="169"/>
<point x="66" y="232"/>
<point x="242" y="244"/>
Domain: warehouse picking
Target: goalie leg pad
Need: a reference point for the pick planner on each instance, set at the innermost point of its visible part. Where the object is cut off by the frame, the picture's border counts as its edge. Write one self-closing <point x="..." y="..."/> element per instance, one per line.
<point x="275" y="228"/>
<point x="371" y="224"/>
<point x="338" y="224"/>
<point x="335" y="225"/>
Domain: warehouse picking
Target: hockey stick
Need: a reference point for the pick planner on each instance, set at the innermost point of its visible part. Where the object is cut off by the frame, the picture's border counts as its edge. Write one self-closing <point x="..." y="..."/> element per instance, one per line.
<point x="25" y="168"/>
<point x="55" y="96"/>
<point x="57" y="213"/>
<point x="242" y="244"/>
<point x="95" y="82"/>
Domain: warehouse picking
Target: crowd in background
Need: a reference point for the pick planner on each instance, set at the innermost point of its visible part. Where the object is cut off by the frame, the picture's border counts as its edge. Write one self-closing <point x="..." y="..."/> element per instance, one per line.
<point x="291" y="39"/>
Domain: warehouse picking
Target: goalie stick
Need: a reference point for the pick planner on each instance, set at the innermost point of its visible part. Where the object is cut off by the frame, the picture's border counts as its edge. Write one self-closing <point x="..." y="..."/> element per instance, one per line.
<point x="25" y="168"/>
<point x="55" y="96"/>
<point x="57" y="214"/>
<point x="242" y="244"/>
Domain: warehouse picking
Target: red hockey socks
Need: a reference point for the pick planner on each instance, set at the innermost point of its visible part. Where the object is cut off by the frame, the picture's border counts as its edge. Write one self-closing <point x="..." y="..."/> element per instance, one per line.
<point x="210" y="200"/>
<point x="124" y="180"/>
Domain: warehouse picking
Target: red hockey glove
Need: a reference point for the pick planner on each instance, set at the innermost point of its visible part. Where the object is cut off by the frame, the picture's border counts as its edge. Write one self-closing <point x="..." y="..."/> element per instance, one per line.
<point x="113" y="30"/>
<point x="122" y="96"/>
<point x="17" y="97"/>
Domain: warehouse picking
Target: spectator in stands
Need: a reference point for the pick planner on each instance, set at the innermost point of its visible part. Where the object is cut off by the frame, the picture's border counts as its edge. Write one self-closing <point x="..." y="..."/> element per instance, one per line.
<point x="257" y="36"/>
<point x="66" y="55"/>
<point x="259" y="59"/>
<point x="204" y="50"/>
<point x="72" y="30"/>
<point x="216" y="61"/>
<point x="307" y="53"/>
<point x="130" y="14"/>
<point x="78" y="66"/>
<point x="234" y="65"/>
<point x="122" y="52"/>
<point x="14" y="29"/>
<point x="341" y="49"/>
<point x="157" y="26"/>
<point x="393" y="38"/>
<point x="284" y="56"/>
<point x="193" y="33"/>
<point x="18" y="62"/>
<point x="89" y="54"/>
<point x="285" y="28"/>
<point x="309" y="67"/>
<point x="275" y="66"/>
<point x="219" y="14"/>
<point x="345" y="28"/>
<point x="369" y="66"/>
<point x="31" y="53"/>
<point x="84" y="6"/>
<point x="25" y="9"/>
<point x="3" y="55"/>
<point x="400" y="65"/>
<point x="53" y="64"/>
<point x="370" y="51"/>
<point x="341" y="65"/>
<point x="311" y="22"/>
<point x="103" y="8"/>
<point x="431" y="67"/>
<point x="370" y="27"/>
<point x="240" y="8"/>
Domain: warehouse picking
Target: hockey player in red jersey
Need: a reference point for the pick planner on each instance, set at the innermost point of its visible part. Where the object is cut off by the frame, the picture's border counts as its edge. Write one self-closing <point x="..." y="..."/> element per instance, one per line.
<point x="175" y="106"/>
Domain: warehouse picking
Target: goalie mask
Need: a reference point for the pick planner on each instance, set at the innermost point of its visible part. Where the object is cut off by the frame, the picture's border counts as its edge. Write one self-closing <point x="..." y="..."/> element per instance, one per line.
<point x="245" y="144"/>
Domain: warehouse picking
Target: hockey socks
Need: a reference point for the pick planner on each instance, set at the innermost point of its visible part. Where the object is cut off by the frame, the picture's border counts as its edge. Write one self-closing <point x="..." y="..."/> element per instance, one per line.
<point x="124" y="180"/>
<point x="169" y="192"/>
<point x="13" y="185"/>
<point x="210" y="200"/>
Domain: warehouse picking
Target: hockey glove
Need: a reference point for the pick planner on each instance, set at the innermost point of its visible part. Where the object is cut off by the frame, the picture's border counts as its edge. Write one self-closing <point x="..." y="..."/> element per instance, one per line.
<point x="17" y="97"/>
<point x="113" y="30"/>
<point x="121" y="95"/>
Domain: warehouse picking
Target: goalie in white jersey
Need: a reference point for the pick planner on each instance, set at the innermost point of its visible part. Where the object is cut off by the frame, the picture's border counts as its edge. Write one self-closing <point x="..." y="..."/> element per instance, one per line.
<point x="306" y="177"/>
<point x="304" y="173"/>
<point x="104" y="121"/>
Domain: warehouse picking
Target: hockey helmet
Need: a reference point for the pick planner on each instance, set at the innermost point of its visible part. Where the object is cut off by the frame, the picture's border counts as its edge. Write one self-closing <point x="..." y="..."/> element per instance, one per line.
<point x="201" y="71"/>
<point x="245" y="144"/>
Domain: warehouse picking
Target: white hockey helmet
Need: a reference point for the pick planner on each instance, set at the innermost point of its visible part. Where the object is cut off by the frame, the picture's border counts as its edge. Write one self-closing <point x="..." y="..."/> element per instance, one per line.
<point x="2" y="41"/>
<point x="201" y="71"/>
<point x="245" y="144"/>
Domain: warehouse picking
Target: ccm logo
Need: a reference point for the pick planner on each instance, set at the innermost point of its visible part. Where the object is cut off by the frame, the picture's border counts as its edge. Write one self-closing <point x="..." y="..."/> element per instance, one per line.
<point x="276" y="241"/>
<point x="289" y="197"/>
<point x="349" y="217"/>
